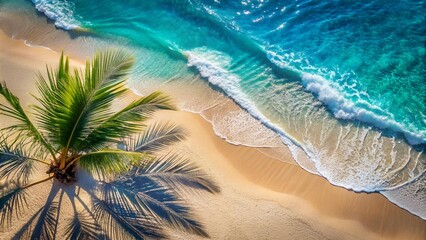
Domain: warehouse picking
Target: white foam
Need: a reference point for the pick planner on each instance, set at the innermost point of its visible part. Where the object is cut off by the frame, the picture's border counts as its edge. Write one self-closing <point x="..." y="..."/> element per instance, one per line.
<point x="328" y="93"/>
<point x="411" y="197"/>
<point x="211" y="65"/>
<point x="300" y="156"/>
<point x="30" y="44"/>
<point x="62" y="12"/>
<point x="240" y="128"/>
<point x="333" y="96"/>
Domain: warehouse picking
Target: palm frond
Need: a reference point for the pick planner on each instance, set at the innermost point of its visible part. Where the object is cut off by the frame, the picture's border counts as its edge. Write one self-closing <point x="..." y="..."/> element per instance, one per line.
<point x="109" y="161"/>
<point x="14" y="162"/>
<point x="128" y="121"/>
<point x="82" y="227"/>
<point x="12" y="201"/>
<point x="179" y="172"/>
<point x="71" y="108"/>
<point x="23" y="127"/>
<point x="61" y="98"/>
<point x="120" y="223"/>
<point x="157" y="137"/>
<point x="158" y="201"/>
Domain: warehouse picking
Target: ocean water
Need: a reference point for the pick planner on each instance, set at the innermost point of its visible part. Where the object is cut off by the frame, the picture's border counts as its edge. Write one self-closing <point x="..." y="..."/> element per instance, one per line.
<point x="344" y="81"/>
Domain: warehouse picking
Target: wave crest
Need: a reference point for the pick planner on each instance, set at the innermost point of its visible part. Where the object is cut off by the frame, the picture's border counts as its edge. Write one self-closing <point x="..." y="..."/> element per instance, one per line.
<point x="343" y="108"/>
<point x="344" y="100"/>
<point x="61" y="12"/>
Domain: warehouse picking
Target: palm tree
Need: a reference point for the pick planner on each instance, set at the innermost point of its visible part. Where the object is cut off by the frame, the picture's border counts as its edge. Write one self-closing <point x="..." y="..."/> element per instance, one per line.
<point x="75" y="130"/>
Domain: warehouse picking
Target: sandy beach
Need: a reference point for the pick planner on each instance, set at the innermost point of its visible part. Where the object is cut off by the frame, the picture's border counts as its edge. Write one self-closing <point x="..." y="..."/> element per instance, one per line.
<point x="261" y="197"/>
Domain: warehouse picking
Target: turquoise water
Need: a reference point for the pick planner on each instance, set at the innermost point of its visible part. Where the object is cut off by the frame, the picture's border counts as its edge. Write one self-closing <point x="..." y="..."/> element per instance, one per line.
<point x="372" y="54"/>
<point x="343" y="80"/>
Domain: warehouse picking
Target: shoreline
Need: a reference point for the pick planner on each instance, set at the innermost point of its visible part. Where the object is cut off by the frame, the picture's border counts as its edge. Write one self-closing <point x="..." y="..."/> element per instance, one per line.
<point x="282" y="197"/>
<point x="286" y="184"/>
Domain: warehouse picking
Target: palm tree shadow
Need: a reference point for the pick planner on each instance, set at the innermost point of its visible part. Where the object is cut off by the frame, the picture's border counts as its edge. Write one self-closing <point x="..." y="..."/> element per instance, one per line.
<point x="43" y="223"/>
<point x="83" y="225"/>
<point x="131" y="206"/>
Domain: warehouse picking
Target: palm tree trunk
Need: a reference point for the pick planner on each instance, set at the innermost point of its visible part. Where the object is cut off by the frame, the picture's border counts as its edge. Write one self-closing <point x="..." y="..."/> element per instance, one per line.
<point x="62" y="159"/>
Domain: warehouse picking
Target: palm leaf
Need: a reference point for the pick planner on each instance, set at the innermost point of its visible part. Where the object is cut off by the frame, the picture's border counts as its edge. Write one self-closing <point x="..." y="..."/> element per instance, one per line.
<point x="128" y="121"/>
<point x="71" y="108"/>
<point x="158" y="136"/>
<point x="178" y="172"/>
<point x="24" y="127"/>
<point x="61" y="95"/>
<point x="109" y="161"/>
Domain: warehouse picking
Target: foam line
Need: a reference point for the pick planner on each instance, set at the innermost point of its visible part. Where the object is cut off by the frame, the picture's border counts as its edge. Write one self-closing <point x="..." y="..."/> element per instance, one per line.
<point x="338" y="101"/>
<point x="327" y="92"/>
<point x="61" y="12"/>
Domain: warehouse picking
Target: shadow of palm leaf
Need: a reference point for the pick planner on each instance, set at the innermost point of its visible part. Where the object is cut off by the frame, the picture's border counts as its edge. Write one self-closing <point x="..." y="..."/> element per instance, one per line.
<point x="45" y="227"/>
<point x="25" y="231"/>
<point x="12" y="202"/>
<point x="14" y="161"/>
<point x="43" y="224"/>
<point x="178" y="172"/>
<point x="150" y="195"/>
<point x="134" y="205"/>
<point x="140" y="197"/>
<point x="119" y="223"/>
<point x="83" y="226"/>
